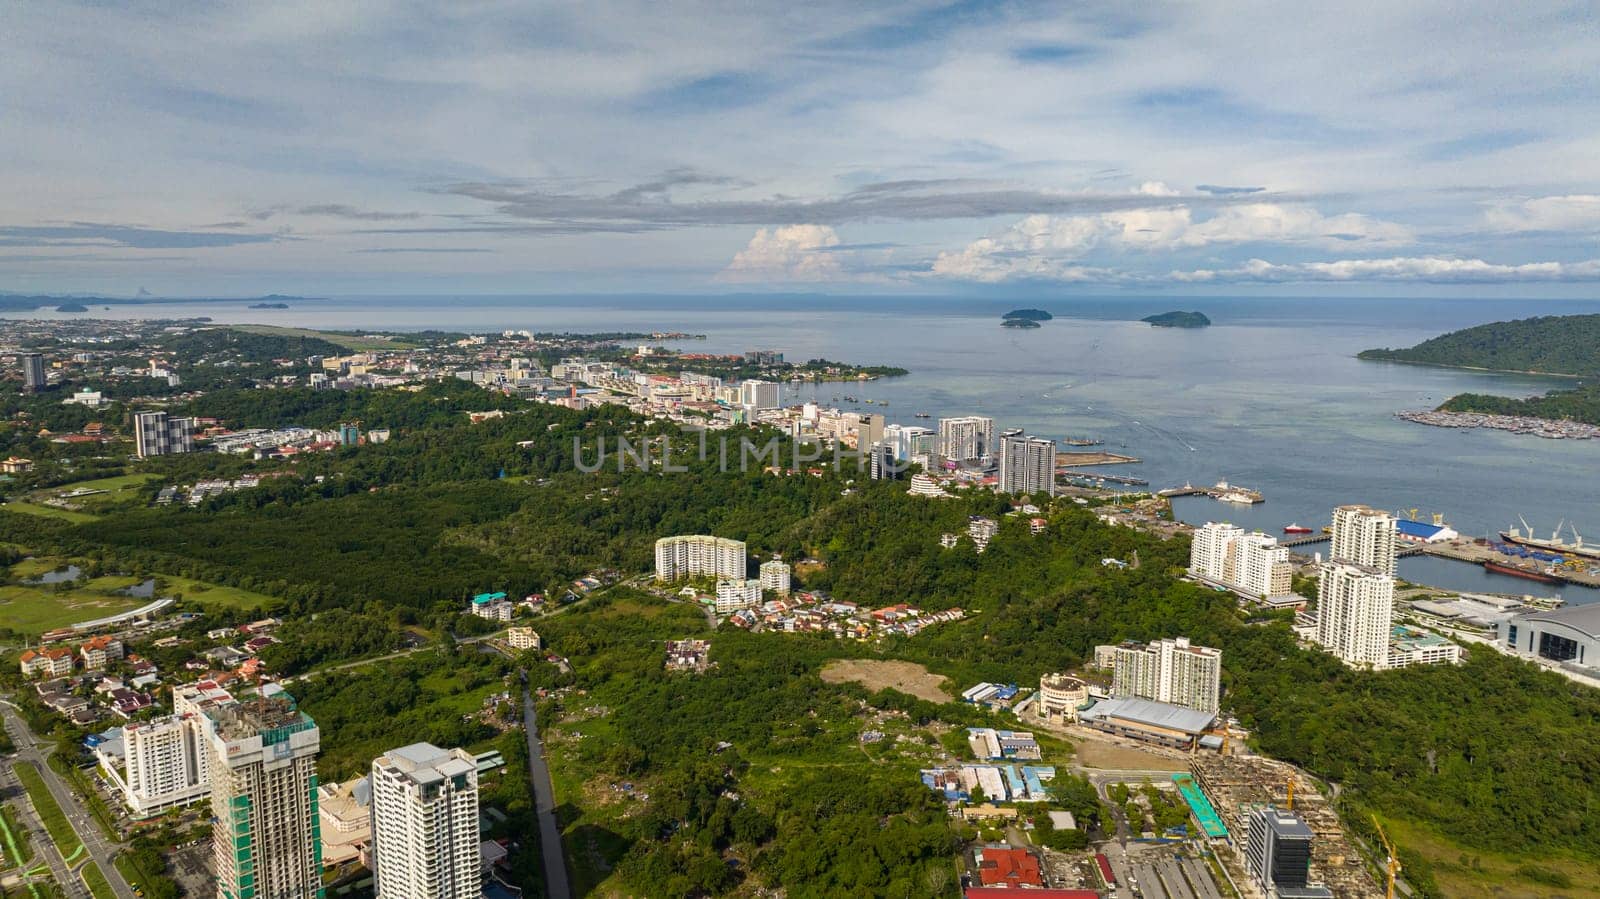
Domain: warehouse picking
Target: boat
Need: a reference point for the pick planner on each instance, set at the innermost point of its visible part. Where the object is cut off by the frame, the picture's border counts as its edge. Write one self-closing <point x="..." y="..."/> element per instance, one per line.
<point x="1237" y="496"/>
<point x="1529" y="573"/>
<point x="1554" y="544"/>
<point x="1296" y="529"/>
<point x="922" y="415"/>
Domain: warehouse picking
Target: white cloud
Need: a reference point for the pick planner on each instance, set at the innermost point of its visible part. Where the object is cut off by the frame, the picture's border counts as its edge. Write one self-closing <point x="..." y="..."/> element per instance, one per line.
<point x="1043" y="246"/>
<point x="789" y="253"/>
<point x="1431" y="269"/>
<point x="1573" y="212"/>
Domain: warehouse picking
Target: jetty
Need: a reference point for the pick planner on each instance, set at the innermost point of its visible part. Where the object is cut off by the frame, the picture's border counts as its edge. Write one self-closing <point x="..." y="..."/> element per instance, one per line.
<point x="1221" y="490"/>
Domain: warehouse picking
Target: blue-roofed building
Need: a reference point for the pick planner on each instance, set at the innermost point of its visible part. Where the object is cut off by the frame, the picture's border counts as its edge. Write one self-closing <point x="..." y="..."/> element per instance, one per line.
<point x="1413" y="531"/>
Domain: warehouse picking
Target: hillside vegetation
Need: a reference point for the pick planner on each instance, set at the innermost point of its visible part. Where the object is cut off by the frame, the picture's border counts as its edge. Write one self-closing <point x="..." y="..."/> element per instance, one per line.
<point x="1582" y="405"/>
<point x="1550" y="344"/>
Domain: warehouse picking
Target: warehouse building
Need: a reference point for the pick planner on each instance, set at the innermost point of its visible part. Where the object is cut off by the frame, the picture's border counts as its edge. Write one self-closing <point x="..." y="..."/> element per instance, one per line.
<point x="1568" y="636"/>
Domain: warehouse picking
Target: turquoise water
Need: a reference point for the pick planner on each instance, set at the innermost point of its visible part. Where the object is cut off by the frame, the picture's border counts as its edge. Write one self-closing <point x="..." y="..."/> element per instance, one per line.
<point x="1270" y="396"/>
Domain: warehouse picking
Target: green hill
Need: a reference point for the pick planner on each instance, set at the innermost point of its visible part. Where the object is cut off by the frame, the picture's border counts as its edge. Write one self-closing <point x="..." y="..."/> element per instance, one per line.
<point x="1178" y="320"/>
<point x="1551" y="344"/>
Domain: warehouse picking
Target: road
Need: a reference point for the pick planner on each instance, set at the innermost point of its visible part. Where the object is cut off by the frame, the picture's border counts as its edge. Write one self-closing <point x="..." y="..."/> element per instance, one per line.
<point x="557" y="885"/>
<point x="100" y="849"/>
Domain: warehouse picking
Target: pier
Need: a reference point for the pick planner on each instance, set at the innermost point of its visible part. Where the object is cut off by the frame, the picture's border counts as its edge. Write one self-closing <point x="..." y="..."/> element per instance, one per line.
<point x="1476" y="553"/>
<point x="1222" y="490"/>
<point x="1108" y="478"/>
<point x="1306" y="540"/>
<point x="1096" y="457"/>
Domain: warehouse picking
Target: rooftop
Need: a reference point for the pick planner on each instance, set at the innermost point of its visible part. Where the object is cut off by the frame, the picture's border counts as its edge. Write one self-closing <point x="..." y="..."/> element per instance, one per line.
<point x="1584" y="617"/>
<point x="1154" y="714"/>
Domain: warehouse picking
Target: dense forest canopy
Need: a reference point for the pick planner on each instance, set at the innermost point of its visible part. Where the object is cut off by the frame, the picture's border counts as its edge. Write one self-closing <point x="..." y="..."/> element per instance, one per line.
<point x="1550" y="344"/>
<point x="1582" y="404"/>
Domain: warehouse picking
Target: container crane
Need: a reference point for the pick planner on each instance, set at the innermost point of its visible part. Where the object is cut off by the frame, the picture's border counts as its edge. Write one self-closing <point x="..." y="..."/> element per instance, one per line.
<point x="1391" y="865"/>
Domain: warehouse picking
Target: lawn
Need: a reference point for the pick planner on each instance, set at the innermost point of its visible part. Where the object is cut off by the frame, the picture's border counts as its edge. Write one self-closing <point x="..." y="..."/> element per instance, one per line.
<point x="118" y="491"/>
<point x="1474" y="873"/>
<point x="55" y="820"/>
<point x="214" y="595"/>
<point x="98" y="885"/>
<point x="357" y="344"/>
<point x="47" y="512"/>
<point x="32" y="610"/>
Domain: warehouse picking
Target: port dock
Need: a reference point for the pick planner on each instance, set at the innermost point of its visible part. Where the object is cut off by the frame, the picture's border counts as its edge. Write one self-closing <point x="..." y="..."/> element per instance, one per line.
<point x="1094" y="457"/>
<point x="1482" y="552"/>
<point x="1222" y="490"/>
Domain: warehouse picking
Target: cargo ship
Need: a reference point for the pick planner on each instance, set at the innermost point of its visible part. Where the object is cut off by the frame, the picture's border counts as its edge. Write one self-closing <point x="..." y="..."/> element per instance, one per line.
<point x="1531" y="574"/>
<point x="1554" y="544"/>
<point x="1296" y="529"/>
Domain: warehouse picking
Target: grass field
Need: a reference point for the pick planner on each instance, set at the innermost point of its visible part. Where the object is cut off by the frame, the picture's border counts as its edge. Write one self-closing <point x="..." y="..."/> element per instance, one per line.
<point x="215" y="595"/>
<point x="1477" y="874"/>
<point x="47" y="512"/>
<point x="32" y="610"/>
<point x="359" y="344"/>
<point x="119" y="490"/>
<point x="99" y="887"/>
<point x="54" y="819"/>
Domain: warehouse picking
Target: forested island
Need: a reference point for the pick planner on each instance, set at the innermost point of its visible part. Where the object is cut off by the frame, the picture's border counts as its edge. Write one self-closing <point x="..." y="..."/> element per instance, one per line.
<point x="1549" y="344"/>
<point x="1178" y="320"/>
<point x="1579" y="405"/>
<point x="1028" y="315"/>
<point x="269" y="305"/>
<point x="1019" y="323"/>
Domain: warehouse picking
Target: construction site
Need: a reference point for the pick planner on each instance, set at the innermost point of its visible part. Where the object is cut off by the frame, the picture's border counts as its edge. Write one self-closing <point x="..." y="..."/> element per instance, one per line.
<point x="1238" y="785"/>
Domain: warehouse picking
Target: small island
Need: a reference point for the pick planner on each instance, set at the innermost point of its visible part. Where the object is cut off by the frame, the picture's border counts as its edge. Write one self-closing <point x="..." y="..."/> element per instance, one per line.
<point x="269" y="305"/>
<point x="1019" y="323"/>
<point x="1178" y="320"/>
<point x="72" y="307"/>
<point x="1027" y="315"/>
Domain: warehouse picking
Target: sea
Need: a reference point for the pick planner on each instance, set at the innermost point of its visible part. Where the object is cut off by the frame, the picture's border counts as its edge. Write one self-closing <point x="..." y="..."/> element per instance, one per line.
<point x="1270" y="397"/>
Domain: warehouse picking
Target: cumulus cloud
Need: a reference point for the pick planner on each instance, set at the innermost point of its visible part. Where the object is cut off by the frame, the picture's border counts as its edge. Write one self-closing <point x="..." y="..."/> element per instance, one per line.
<point x="1429" y="269"/>
<point x="1572" y="212"/>
<point x="788" y="253"/>
<point x="1043" y="246"/>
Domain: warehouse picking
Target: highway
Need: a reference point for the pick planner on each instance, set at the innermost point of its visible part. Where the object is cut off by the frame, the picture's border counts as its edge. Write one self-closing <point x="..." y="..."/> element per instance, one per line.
<point x="557" y="885"/>
<point x="100" y="849"/>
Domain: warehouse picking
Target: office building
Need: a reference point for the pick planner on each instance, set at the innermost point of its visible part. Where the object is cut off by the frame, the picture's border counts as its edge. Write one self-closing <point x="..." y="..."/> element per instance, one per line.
<point x="775" y="576"/>
<point x="699" y="555"/>
<point x="1364" y="536"/>
<point x="1355" y="611"/>
<point x="1170" y="671"/>
<point x="425" y="824"/>
<point x="264" y="800"/>
<point x="33" y="376"/>
<point x="881" y="462"/>
<point x="1027" y="464"/>
<point x="760" y="394"/>
<point x="910" y="441"/>
<point x="734" y="594"/>
<point x="154" y="434"/>
<point x="1278" y="853"/>
<point x="966" y="439"/>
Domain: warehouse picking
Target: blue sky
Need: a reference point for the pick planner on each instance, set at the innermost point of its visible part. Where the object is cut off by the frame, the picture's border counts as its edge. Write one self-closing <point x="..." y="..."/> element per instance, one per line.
<point x="378" y="146"/>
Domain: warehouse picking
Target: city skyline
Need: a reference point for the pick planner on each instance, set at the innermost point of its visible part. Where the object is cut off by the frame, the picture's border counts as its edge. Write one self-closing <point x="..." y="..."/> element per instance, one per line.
<point x="922" y="148"/>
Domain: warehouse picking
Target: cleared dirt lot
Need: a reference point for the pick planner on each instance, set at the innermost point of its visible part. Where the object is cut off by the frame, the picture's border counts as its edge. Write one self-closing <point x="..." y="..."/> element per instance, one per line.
<point x="875" y="674"/>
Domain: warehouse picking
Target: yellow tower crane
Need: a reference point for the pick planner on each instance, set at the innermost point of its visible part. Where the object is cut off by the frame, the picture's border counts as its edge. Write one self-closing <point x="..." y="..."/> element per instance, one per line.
<point x="1392" y="863"/>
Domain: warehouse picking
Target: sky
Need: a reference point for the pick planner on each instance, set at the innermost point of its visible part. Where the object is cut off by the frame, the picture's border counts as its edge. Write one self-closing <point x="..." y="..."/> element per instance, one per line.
<point x="380" y="146"/>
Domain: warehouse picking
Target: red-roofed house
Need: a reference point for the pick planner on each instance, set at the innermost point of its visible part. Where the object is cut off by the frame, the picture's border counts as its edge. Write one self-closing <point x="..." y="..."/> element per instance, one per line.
<point x="1007" y="867"/>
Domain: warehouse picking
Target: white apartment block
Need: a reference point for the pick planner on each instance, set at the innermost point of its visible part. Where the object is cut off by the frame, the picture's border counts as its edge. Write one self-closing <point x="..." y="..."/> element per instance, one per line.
<point x="910" y="440"/>
<point x="165" y="764"/>
<point x="734" y="594"/>
<point x="1355" y="614"/>
<point x="966" y="439"/>
<point x="524" y="638"/>
<point x="1253" y="563"/>
<point x="264" y="837"/>
<point x="1260" y="566"/>
<point x="1363" y="536"/>
<point x="425" y="824"/>
<point x="776" y="576"/>
<point x="1170" y="671"/>
<point x="699" y="555"/>
<point x="1211" y="552"/>
<point x="1027" y="465"/>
